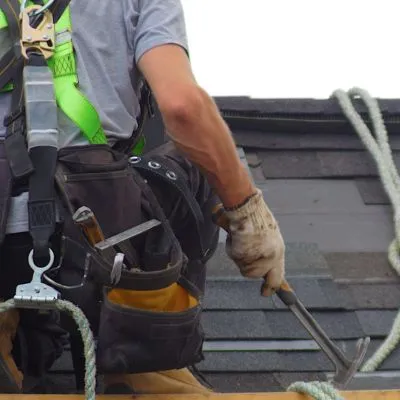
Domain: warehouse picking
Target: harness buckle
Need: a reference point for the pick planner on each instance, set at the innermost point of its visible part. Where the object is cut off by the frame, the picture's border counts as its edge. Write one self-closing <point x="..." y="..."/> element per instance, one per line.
<point x="40" y="38"/>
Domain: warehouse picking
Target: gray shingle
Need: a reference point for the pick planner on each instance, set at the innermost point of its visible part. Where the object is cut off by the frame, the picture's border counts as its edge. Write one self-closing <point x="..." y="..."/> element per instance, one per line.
<point x="387" y="380"/>
<point x="236" y="325"/>
<point x="340" y="232"/>
<point x="371" y="191"/>
<point x="302" y="259"/>
<point x="236" y="295"/>
<point x="316" y="294"/>
<point x="356" y="266"/>
<point x="338" y="325"/>
<point x="294" y="141"/>
<point x="240" y="294"/>
<point x="319" y="164"/>
<point x="281" y="325"/>
<point x="265" y="362"/>
<point x="289" y="361"/>
<point x="386" y="296"/>
<point x="257" y="175"/>
<point x="252" y="159"/>
<point x="312" y="196"/>
<point x="376" y="322"/>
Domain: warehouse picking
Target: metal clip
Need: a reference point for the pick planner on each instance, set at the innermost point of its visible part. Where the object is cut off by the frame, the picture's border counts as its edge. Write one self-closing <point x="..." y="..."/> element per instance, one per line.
<point x="36" y="294"/>
<point x="41" y="38"/>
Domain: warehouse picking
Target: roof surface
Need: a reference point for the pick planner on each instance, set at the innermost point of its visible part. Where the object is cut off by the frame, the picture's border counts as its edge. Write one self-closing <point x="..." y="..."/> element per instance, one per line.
<point x="323" y="189"/>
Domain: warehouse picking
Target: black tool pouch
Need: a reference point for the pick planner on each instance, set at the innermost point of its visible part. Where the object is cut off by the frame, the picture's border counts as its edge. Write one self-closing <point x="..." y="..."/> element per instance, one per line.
<point x="151" y="331"/>
<point x="101" y="179"/>
<point x="134" y="339"/>
<point x="133" y="334"/>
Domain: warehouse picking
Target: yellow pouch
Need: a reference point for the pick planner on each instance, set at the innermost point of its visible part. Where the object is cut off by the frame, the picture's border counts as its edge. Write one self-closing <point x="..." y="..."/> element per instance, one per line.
<point x="173" y="298"/>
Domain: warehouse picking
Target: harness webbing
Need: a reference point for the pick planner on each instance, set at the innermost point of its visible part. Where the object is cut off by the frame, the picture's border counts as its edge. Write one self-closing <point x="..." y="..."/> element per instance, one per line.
<point x="72" y="101"/>
<point x="69" y="98"/>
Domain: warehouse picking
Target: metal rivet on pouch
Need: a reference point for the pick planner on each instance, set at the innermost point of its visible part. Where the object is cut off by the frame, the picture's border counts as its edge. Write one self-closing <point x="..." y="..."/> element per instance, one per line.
<point x="171" y="175"/>
<point x="134" y="160"/>
<point x="154" y="165"/>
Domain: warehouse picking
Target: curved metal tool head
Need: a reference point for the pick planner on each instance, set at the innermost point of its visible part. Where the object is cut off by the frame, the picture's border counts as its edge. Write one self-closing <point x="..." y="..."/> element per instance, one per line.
<point x="345" y="374"/>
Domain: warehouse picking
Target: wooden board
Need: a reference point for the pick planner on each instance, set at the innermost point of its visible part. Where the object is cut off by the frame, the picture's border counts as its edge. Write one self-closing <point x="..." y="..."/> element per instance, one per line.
<point x="357" y="395"/>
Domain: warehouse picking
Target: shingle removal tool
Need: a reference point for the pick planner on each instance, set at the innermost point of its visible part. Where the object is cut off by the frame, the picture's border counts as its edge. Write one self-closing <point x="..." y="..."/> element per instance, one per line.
<point x="345" y="368"/>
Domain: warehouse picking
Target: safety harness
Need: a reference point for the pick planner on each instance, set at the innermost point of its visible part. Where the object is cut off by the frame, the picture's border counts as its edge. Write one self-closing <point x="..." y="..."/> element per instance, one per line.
<point x="40" y="70"/>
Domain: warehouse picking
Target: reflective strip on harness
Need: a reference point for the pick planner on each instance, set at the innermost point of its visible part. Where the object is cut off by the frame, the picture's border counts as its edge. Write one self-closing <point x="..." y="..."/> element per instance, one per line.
<point x="70" y="100"/>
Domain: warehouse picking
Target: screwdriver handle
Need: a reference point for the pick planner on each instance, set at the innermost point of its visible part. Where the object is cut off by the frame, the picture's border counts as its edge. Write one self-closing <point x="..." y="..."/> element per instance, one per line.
<point x="285" y="292"/>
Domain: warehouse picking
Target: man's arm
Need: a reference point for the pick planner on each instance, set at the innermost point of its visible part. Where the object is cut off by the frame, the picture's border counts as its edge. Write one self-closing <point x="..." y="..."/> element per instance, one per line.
<point x="193" y="121"/>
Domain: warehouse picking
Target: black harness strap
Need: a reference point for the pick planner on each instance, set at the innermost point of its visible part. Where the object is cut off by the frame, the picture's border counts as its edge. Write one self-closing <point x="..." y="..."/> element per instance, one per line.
<point x="146" y="110"/>
<point x="169" y="173"/>
<point x="42" y="196"/>
<point x="39" y="164"/>
<point x="15" y="147"/>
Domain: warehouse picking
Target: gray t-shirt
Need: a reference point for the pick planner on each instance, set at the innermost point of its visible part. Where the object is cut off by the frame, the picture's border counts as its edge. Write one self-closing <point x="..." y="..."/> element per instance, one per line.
<point x="109" y="38"/>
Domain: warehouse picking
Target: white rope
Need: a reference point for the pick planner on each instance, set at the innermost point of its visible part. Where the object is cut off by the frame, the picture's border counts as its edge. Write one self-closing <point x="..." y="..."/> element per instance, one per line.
<point x="87" y="337"/>
<point x="318" y="390"/>
<point x="379" y="148"/>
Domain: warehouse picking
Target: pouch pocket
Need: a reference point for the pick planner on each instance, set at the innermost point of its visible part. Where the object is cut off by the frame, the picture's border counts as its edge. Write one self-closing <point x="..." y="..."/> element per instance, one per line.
<point x="144" y="331"/>
<point x="101" y="179"/>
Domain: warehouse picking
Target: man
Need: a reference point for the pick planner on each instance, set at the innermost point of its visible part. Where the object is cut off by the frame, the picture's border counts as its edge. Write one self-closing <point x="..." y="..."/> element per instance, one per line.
<point x="115" y="43"/>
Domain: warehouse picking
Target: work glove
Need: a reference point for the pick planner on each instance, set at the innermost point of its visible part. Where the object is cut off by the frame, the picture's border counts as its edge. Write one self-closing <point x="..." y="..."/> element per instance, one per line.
<point x="255" y="243"/>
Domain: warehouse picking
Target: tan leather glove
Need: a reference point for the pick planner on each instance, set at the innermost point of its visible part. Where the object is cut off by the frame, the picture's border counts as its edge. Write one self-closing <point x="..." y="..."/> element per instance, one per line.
<point x="255" y="243"/>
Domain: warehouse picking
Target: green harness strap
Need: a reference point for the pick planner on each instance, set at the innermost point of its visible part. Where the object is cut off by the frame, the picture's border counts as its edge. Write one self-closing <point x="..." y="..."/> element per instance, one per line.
<point x="70" y="100"/>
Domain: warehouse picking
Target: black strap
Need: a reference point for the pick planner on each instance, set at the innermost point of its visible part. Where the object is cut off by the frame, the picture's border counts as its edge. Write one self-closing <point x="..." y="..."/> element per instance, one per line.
<point x="146" y="111"/>
<point x="177" y="181"/>
<point x="42" y="197"/>
<point x="12" y="64"/>
<point x="11" y="9"/>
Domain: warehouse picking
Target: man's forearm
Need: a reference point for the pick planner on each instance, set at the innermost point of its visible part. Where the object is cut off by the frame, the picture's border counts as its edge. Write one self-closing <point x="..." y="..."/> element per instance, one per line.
<point x="204" y="137"/>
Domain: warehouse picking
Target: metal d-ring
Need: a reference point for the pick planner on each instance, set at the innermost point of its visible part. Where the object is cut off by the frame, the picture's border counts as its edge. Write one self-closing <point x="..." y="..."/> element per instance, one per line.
<point x="41" y="269"/>
<point x="40" y="10"/>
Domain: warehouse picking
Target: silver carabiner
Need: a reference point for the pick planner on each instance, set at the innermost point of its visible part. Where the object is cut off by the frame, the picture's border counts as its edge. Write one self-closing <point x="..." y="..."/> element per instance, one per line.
<point x="40" y="10"/>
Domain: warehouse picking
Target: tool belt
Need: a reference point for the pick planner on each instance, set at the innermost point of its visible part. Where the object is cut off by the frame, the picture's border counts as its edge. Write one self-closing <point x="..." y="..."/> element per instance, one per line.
<point x="134" y="335"/>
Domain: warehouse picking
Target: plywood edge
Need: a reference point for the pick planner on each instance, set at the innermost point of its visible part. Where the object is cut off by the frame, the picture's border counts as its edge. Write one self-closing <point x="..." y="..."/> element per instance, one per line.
<point x="347" y="395"/>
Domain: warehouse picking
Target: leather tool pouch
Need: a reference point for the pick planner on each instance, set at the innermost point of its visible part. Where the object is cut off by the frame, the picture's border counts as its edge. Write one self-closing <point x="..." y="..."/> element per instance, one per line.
<point x="150" y="316"/>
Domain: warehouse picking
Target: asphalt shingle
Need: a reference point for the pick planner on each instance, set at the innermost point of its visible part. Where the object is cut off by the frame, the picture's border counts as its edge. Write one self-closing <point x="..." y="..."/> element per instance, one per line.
<point x="302" y="196"/>
<point x="376" y="323"/>
<point x="302" y="259"/>
<point x="340" y="232"/>
<point x="261" y="140"/>
<point x="371" y="191"/>
<point x="319" y="164"/>
<point x="288" y="361"/>
<point x="243" y="294"/>
<point x="361" y="267"/>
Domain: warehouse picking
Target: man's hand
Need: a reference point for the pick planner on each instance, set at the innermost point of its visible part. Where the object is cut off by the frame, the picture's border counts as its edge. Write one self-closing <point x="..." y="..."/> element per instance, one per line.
<point x="255" y="243"/>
